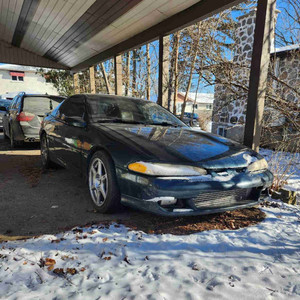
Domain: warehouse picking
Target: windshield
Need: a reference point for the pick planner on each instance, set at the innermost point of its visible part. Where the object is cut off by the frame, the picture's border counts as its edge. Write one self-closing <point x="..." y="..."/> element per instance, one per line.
<point x="40" y="105"/>
<point x="126" y="110"/>
<point x="5" y="103"/>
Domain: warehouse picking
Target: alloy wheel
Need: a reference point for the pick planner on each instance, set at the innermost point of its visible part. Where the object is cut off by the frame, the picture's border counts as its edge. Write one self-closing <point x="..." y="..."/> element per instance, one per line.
<point x="44" y="150"/>
<point x="98" y="181"/>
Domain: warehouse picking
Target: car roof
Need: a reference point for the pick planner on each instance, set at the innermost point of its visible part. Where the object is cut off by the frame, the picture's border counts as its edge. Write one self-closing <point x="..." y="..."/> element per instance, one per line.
<point x="91" y="96"/>
<point x="43" y="95"/>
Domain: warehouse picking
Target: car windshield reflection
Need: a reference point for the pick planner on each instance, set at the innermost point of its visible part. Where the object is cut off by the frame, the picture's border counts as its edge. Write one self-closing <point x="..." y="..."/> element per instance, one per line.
<point x="130" y="111"/>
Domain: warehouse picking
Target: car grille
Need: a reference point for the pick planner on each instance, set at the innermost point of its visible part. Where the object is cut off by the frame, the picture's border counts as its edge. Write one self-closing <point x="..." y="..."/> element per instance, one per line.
<point x="223" y="199"/>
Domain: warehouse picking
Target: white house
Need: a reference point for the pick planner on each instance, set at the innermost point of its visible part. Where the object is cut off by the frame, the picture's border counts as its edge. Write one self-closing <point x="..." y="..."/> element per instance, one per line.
<point x="15" y="79"/>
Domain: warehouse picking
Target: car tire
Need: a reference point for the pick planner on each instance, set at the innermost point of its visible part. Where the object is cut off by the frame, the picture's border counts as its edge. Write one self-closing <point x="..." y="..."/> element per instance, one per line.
<point x="4" y="133"/>
<point x="11" y="137"/>
<point x="45" y="157"/>
<point x="102" y="183"/>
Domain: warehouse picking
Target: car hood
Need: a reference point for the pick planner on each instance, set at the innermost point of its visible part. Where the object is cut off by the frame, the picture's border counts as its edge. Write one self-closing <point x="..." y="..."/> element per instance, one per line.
<point x="181" y="145"/>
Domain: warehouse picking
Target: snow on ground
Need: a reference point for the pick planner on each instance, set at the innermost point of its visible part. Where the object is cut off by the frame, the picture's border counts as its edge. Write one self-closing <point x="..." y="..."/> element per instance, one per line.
<point x="258" y="262"/>
<point x="278" y="162"/>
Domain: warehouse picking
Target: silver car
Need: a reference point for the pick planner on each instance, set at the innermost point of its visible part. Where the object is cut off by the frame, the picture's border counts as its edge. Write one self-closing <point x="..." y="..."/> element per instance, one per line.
<point x="22" y="121"/>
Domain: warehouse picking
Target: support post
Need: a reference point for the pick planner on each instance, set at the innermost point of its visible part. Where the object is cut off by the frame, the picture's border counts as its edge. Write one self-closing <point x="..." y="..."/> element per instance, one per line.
<point x="259" y="72"/>
<point x="76" y="83"/>
<point x="163" y="71"/>
<point x="118" y="75"/>
<point x="92" y="80"/>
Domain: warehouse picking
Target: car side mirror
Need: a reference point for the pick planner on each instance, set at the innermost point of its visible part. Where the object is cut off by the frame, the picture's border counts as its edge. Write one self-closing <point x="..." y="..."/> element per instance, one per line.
<point x="3" y="108"/>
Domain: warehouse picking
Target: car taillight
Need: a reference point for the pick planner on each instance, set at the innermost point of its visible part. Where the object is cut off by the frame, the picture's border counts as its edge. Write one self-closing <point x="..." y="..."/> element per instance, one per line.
<point x="25" y="117"/>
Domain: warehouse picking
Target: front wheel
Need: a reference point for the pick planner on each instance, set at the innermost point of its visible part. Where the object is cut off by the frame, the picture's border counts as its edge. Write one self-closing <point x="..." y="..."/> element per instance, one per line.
<point x="45" y="152"/>
<point x="103" y="183"/>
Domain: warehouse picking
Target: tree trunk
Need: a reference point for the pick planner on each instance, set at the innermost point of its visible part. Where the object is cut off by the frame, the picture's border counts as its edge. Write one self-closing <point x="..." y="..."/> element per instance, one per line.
<point x="195" y="44"/>
<point x="148" y="88"/>
<point x="134" y="59"/>
<point x="108" y="87"/>
<point x="127" y="72"/>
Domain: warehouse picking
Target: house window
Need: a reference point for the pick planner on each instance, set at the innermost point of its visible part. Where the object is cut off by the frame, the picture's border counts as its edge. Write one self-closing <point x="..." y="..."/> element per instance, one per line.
<point x="195" y="106"/>
<point x="208" y="106"/>
<point x="17" y="76"/>
<point x="222" y="131"/>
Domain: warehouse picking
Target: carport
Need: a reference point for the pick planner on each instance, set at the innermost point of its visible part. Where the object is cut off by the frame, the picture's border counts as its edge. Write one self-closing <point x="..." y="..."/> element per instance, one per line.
<point x="76" y="35"/>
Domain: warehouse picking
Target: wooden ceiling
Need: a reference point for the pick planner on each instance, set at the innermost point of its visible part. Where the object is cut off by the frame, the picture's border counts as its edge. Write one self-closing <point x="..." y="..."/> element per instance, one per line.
<point x="72" y="34"/>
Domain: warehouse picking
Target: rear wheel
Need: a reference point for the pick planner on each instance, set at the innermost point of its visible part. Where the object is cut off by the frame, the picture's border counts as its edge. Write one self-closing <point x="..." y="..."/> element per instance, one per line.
<point x="11" y="137"/>
<point x="46" y="162"/>
<point x="4" y="133"/>
<point x="103" y="184"/>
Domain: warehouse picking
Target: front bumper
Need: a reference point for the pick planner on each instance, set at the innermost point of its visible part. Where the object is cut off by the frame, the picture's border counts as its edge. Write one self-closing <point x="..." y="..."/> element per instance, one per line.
<point x="147" y="193"/>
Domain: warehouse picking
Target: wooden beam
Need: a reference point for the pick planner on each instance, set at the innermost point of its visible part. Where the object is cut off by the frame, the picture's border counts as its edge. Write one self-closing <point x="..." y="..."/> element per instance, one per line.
<point x="118" y="75"/>
<point x="18" y="56"/>
<point x="199" y="11"/>
<point x="163" y="71"/>
<point x="76" y="83"/>
<point x="92" y="80"/>
<point x="264" y="29"/>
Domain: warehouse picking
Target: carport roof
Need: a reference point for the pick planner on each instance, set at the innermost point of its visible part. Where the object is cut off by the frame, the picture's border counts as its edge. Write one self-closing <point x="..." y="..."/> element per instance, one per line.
<point x="75" y="34"/>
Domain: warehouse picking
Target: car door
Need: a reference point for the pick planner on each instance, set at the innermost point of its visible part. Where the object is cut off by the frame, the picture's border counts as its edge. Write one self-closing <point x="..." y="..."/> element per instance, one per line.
<point x="70" y="130"/>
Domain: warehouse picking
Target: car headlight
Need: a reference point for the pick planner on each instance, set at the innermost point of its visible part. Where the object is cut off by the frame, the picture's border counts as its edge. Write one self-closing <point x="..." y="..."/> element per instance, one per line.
<point x="165" y="169"/>
<point x="258" y="165"/>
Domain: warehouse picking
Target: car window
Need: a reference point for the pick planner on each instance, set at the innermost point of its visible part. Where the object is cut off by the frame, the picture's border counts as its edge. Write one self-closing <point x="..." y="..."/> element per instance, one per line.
<point x="5" y="103"/>
<point x="40" y="105"/>
<point x="74" y="108"/>
<point x="14" y="101"/>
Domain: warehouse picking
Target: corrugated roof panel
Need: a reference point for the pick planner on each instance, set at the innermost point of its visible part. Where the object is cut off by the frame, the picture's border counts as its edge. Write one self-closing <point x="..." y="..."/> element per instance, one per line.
<point x="53" y="19"/>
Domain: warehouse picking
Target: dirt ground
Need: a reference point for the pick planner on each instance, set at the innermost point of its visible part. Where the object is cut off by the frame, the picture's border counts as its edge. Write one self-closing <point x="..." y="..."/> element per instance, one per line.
<point x="34" y="203"/>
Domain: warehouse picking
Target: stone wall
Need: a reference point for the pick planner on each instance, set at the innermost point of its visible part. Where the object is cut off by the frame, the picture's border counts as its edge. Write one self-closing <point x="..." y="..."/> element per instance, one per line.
<point x="231" y="98"/>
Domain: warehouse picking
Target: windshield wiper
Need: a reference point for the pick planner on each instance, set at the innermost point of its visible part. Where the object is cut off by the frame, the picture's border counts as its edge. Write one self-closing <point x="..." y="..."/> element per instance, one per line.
<point x="165" y="124"/>
<point x="120" y="121"/>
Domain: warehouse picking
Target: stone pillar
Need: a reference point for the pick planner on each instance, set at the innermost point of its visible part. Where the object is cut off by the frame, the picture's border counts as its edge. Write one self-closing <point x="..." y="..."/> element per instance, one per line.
<point x="76" y="83"/>
<point x="118" y="75"/>
<point x="92" y="80"/>
<point x="163" y="71"/>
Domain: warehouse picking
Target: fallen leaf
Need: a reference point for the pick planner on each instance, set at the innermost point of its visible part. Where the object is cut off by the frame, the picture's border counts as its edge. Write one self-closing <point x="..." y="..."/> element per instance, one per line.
<point x="25" y="263"/>
<point x="82" y="269"/>
<point x="49" y="262"/>
<point x="72" y="271"/>
<point x="104" y="239"/>
<point x="59" y="271"/>
<point x="107" y="258"/>
<point x="55" y="241"/>
<point x="50" y="268"/>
